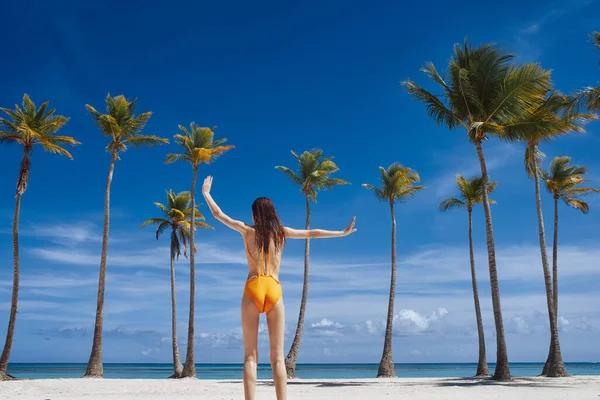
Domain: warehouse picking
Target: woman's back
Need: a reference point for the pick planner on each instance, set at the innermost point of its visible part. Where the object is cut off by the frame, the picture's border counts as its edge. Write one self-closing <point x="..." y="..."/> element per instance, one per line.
<point x="261" y="262"/>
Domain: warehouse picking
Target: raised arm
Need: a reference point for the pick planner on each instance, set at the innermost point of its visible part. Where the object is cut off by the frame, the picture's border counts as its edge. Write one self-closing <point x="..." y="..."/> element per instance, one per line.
<point x="319" y="233"/>
<point x="216" y="211"/>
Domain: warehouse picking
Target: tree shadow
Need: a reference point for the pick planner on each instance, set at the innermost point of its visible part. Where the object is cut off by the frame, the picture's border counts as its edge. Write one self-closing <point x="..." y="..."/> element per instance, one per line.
<point x="310" y="382"/>
<point x="514" y="382"/>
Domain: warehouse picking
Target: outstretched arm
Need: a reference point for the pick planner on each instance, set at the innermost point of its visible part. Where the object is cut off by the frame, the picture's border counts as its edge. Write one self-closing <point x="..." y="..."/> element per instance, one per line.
<point x="319" y="233"/>
<point x="216" y="211"/>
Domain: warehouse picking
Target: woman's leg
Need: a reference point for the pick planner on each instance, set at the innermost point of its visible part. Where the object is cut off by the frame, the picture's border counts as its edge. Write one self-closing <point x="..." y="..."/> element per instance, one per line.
<point x="276" y="324"/>
<point x="250" y="319"/>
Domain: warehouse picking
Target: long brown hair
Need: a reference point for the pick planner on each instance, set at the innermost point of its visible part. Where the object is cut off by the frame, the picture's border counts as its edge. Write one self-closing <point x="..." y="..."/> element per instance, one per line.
<point x="267" y="225"/>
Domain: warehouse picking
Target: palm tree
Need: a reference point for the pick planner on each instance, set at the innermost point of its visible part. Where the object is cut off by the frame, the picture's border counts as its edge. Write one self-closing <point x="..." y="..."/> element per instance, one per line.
<point x="397" y="184"/>
<point x="589" y="97"/>
<point x="471" y="193"/>
<point x="562" y="181"/>
<point x="27" y="126"/>
<point x="177" y="216"/>
<point x="198" y="146"/>
<point x="551" y="119"/>
<point x="314" y="174"/>
<point x="123" y="128"/>
<point x="487" y="95"/>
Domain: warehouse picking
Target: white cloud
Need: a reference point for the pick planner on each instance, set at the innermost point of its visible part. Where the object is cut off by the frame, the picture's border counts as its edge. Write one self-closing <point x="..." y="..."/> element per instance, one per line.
<point x="411" y="322"/>
<point x="325" y="323"/>
<point x="150" y="351"/>
<point x="157" y="257"/>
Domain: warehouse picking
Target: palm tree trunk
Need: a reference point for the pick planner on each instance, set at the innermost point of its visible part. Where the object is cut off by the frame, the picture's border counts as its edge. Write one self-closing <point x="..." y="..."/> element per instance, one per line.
<point x="554" y="279"/>
<point x="555" y="258"/>
<point x="386" y="365"/>
<point x="292" y="357"/>
<point x="502" y="372"/>
<point x="556" y="367"/>
<point x="189" y="370"/>
<point x="176" y="359"/>
<point x="482" y="366"/>
<point x="94" y="367"/>
<point x="12" y="319"/>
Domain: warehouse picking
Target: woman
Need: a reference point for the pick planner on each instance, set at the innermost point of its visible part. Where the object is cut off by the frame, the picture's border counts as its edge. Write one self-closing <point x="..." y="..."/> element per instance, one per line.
<point x="262" y="293"/>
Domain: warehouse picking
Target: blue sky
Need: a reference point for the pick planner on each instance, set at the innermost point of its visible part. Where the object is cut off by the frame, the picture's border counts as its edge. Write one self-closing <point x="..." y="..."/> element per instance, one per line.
<point x="276" y="77"/>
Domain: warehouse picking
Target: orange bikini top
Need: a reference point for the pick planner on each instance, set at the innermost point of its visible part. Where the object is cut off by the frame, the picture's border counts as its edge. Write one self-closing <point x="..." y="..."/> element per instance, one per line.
<point x="266" y="270"/>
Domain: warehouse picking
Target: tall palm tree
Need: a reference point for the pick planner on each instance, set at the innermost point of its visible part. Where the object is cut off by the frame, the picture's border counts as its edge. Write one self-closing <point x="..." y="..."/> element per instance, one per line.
<point x="123" y="129"/>
<point x="551" y="119"/>
<point x="177" y="216"/>
<point x="471" y="193"/>
<point x="485" y="94"/>
<point x="397" y="184"/>
<point x="563" y="182"/>
<point x="197" y="146"/>
<point x="27" y="126"/>
<point x="314" y="174"/>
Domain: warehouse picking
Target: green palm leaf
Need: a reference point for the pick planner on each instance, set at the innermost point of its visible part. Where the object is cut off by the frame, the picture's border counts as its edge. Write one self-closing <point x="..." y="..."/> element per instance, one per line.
<point x="563" y="181"/>
<point x="471" y="193"/>
<point x="397" y="183"/>
<point x="313" y="173"/>
<point x="122" y="125"/>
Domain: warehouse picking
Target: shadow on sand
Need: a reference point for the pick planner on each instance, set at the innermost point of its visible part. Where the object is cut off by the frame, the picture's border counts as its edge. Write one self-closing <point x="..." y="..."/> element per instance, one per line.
<point x="516" y="382"/>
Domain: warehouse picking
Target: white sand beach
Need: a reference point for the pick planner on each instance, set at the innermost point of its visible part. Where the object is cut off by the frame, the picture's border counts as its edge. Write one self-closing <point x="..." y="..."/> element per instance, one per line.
<point x="577" y="388"/>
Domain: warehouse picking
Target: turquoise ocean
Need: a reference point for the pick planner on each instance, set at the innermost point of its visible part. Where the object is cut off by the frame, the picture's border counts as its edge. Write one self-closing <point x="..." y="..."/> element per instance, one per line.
<point x="304" y="371"/>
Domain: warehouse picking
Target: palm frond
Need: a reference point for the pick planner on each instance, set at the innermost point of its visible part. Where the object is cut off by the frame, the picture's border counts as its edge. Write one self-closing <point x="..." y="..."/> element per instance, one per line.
<point x="290" y="174"/>
<point x="436" y="109"/>
<point x="56" y="149"/>
<point x="577" y="204"/>
<point x="521" y="90"/>
<point x="161" y="228"/>
<point x="143" y="140"/>
<point x="153" y="221"/>
<point x="451" y="203"/>
<point x="171" y="158"/>
<point x="378" y="192"/>
<point x="29" y="126"/>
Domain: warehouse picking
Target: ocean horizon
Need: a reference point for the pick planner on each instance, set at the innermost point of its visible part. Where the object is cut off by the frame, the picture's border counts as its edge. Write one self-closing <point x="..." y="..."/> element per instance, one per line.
<point x="303" y="371"/>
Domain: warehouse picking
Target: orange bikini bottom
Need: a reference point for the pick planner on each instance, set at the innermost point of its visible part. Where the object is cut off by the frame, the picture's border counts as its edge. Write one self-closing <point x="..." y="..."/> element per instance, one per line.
<point x="264" y="291"/>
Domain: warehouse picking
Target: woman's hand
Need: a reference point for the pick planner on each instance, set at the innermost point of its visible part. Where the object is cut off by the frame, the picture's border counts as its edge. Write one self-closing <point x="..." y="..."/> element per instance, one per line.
<point x="350" y="229"/>
<point x="207" y="184"/>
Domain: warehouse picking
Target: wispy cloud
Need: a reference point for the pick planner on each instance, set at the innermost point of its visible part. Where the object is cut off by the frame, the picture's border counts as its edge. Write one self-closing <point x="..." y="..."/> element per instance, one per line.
<point x="554" y="12"/>
<point x="527" y="37"/>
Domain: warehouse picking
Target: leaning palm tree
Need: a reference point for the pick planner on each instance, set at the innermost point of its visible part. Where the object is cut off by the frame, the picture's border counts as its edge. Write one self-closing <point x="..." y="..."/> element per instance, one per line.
<point x="485" y="94"/>
<point x="314" y="174"/>
<point x="471" y="193"/>
<point x="123" y="128"/>
<point x="551" y="119"/>
<point x="562" y="181"/>
<point x="177" y="217"/>
<point x="397" y="184"/>
<point x="27" y="126"/>
<point x="197" y="146"/>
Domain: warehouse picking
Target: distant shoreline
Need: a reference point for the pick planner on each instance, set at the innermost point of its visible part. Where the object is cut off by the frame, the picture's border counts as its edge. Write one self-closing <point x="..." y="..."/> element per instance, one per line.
<point x="232" y="371"/>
